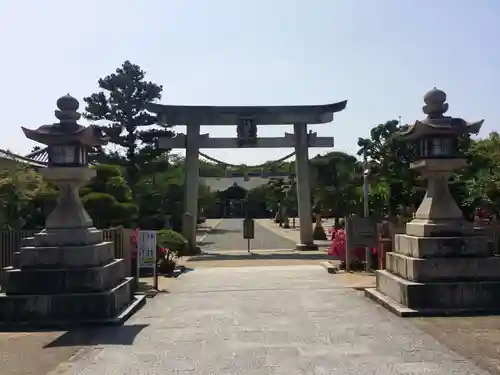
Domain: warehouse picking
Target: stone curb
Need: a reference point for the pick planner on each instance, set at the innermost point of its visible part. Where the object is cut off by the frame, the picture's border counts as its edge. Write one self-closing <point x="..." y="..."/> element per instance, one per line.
<point x="361" y="288"/>
<point x="330" y="268"/>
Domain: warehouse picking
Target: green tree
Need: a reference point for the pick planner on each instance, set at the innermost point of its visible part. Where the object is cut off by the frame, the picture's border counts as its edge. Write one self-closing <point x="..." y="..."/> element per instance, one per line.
<point x="108" y="199"/>
<point x="256" y="201"/>
<point x="121" y="105"/>
<point x="210" y="169"/>
<point x="389" y="161"/>
<point x="479" y="182"/>
<point x="336" y="184"/>
<point x="276" y="191"/>
<point x="25" y="198"/>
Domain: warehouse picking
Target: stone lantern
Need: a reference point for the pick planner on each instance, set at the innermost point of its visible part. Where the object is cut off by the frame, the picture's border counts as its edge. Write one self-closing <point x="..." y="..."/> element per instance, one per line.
<point x="68" y="144"/>
<point x="67" y="274"/>
<point x="436" y="140"/>
<point x="440" y="266"/>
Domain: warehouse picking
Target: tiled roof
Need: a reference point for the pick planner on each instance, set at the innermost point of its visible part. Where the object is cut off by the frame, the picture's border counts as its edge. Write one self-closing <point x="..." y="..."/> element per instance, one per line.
<point x="39" y="156"/>
<point x="5" y="154"/>
<point x="223" y="183"/>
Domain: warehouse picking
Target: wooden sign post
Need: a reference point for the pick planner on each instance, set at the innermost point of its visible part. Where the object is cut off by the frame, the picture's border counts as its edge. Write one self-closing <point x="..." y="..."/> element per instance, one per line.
<point x="248" y="230"/>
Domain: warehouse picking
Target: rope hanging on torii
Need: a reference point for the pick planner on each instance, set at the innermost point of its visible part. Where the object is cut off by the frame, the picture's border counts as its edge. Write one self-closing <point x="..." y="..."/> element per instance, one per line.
<point x="274" y="162"/>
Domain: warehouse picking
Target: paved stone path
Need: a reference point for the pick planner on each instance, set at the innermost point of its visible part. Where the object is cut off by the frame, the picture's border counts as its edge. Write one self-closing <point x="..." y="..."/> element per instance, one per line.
<point x="228" y="236"/>
<point x="293" y="234"/>
<point x="265" y="320"/>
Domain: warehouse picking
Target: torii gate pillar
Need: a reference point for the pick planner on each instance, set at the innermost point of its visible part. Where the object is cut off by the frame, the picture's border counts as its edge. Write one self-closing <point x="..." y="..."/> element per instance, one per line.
<point x="303" y="188"/>
<point x="192" y="168"/>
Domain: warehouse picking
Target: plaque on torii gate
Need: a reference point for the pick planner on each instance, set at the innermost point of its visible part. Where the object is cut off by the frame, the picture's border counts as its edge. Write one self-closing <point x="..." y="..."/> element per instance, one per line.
<point x="246" y="119"/>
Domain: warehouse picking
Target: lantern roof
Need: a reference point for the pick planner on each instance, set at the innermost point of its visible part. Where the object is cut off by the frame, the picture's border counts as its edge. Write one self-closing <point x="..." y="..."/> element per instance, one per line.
<point x="436" y="124"/>
<point x="67" y="130"/>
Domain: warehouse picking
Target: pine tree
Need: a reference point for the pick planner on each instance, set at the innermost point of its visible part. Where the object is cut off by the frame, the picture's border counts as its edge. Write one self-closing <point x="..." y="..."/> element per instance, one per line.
<point x="122" y="106"/>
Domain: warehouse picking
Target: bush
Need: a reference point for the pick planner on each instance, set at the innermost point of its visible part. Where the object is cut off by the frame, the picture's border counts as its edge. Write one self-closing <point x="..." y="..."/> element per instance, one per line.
<point x="172" y="245"/>
<point x="99" y="206"/>
<point x="171" y="240"/>
<point x="106" y="211"/>
<point x="125" y="213"/>
<point x="117" y="187"/>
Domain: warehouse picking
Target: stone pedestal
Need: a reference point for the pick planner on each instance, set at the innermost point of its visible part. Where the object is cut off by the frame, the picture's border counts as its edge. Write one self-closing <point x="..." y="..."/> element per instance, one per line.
<point x="66" y="274"/>
<point x="440" y="266"/>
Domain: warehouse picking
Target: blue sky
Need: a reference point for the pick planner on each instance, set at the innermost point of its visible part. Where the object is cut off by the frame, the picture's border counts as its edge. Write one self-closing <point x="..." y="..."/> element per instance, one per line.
<point x="380" y="55"/>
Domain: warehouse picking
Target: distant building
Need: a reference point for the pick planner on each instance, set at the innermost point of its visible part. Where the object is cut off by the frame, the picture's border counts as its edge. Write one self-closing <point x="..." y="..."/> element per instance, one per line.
<point x="247" y="183"/>
<point x="9" y="159"/>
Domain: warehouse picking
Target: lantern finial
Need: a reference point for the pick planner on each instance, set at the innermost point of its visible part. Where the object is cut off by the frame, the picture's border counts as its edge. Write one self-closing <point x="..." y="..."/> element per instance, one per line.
<point x="435" y="103"/>
<point x="67" y="113"/>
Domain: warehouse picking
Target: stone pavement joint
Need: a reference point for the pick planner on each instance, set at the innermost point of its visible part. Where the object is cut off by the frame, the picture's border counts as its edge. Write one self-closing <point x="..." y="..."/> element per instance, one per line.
<point x="266" y="320"/>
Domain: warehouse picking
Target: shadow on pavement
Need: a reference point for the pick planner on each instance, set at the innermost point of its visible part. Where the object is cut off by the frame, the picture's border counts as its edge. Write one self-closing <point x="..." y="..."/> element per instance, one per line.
<point x="118" y="335"/>
<point x="223" y="231"/>
<point x="204" y="243"/>
<point x="149" y="290"/>
<point x="225" y="256"/>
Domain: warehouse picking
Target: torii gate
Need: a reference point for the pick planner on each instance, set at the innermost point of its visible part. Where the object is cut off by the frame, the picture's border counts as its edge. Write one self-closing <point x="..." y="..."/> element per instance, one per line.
<point x="246" y="119"/>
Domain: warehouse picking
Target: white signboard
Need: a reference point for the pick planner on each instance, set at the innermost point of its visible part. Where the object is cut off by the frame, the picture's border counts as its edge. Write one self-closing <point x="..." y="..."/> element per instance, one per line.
<point x="146" y="248"/>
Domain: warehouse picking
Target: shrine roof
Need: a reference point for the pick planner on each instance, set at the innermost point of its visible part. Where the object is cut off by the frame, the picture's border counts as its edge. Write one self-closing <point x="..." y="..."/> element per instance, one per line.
<point x="7" y="155"/>
<point x="224" y="183"/>
<point x="231" y="115"/>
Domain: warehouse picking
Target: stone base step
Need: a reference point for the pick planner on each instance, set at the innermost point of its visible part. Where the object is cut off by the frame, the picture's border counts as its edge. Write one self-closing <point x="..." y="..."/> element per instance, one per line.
<point x="137" y="302"/>
<point x="406" y="312"/>
<point x="38" y="308"/>
<point x="66" y="256"/>
<point x="442" y="247"/>
<point x="67" y="237"/>
<point x="444" y="269"/>
<point x="63" y="280"/>
<point x="455" y="295"/>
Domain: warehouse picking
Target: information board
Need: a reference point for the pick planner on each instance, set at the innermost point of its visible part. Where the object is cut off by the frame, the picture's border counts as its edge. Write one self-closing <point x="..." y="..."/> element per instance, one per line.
<point x="361" y="231"/>
<point x="146" y="248"/>
<point x="248" y="228"/>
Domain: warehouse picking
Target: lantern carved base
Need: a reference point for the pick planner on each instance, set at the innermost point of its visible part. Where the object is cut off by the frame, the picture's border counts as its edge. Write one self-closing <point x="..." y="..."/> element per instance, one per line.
<point x="69" y="211"/>
<point x="438" y="212"/>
